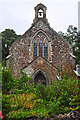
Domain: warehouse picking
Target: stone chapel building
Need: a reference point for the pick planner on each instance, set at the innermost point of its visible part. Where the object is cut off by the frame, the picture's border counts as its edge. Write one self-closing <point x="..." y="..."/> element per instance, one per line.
<point x="40" y="51"/>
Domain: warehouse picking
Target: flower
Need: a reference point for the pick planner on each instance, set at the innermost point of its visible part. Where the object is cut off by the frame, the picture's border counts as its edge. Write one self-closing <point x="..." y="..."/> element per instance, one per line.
<point x="39" y="115"/>
<point x="73" y="99"/>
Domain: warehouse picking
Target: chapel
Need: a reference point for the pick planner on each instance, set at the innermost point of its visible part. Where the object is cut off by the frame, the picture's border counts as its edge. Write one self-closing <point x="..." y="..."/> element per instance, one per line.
<point x="40" y="51"/>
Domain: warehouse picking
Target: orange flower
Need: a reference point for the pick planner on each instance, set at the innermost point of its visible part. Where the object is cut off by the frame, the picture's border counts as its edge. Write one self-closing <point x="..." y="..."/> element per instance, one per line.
<point x="65" y="69"/>
<point x="69" y="67"/>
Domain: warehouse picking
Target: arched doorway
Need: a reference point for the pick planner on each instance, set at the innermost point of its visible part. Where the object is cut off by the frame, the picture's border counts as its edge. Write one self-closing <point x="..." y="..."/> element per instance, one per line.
<point x="40" y="77"/>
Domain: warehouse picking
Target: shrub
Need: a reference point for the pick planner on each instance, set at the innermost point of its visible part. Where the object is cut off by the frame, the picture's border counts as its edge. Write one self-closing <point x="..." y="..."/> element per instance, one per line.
<point x="6" y="107"/>
<point x="40" y="91"/>
<point x="26" y="105"/>
<point x="41" y="101"/>
<point x="53" y="108"/>
<point x="23" y="83"/>
<point x="8" y="82"/>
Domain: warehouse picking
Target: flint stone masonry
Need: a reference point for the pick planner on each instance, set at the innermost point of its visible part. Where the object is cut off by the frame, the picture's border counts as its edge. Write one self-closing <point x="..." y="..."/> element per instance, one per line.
<point x="22" y="51"/>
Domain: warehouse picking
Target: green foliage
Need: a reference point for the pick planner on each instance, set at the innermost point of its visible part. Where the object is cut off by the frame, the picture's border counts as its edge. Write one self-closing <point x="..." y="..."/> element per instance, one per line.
<point x="6" y="107"/>
<point x="0" y="86"/>
<point x="23" y="84"/>
<point x="0" y="48"/>
<point x="8" y="37"/>
<point x="41" y="101"/>
<point x="40" y="91"/>
<point x="23" y="101"/>
<point x="26" y="105"/>
<point x="73" y="38"/>
<point x="8" y="81"/>
<point x="0" y="100"/>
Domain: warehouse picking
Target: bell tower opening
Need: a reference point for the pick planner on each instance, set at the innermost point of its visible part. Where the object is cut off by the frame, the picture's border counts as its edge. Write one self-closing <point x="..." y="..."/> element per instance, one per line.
<point x="40" y="13"/>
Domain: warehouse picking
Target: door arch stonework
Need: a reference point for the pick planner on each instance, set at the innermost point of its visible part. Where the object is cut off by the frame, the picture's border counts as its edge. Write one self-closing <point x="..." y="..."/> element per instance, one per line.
<point x="40" y="75"/>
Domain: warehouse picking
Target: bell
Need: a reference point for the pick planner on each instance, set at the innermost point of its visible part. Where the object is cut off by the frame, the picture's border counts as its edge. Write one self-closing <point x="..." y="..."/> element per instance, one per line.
<point x="40" y="13"/>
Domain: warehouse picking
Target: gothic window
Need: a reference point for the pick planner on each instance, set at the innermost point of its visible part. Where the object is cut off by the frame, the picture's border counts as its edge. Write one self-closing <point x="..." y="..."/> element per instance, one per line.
<point x="40" y="48"/>
<point x="35" y="49"/>
<point x="46" y="50"/>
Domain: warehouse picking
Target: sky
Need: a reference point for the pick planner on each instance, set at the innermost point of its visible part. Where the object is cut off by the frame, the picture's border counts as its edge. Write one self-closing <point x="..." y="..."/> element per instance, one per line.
<point x="79" y="15"/>
<point x="19" y="14"/>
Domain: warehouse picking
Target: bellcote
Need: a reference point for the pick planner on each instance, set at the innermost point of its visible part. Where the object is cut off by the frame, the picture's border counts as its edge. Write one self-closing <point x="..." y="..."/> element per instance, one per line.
<point x="40" y="13"/>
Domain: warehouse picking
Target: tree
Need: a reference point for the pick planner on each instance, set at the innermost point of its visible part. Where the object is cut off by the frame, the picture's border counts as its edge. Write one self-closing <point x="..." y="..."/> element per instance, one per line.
<point x="73" y="38"/>
<point x="77" y="48"/>
<point x="8" y="37"/>
<point x="8" y="82"/>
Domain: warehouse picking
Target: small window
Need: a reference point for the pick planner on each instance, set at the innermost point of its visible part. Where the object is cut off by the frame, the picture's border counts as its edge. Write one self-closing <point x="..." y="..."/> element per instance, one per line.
<point x="35" y="49"/>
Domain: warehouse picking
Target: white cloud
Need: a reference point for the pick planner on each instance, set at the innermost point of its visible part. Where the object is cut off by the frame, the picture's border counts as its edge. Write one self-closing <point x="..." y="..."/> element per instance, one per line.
<point x="19" y="14"/>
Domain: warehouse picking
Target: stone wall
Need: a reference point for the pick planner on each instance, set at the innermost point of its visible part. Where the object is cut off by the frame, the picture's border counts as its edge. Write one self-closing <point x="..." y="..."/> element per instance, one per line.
<point x="40" y="64"/>
<point x="22" y="50"/>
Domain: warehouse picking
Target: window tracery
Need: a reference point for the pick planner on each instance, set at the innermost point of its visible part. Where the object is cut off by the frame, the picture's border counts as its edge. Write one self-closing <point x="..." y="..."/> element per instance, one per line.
<point x="40" y="46"/>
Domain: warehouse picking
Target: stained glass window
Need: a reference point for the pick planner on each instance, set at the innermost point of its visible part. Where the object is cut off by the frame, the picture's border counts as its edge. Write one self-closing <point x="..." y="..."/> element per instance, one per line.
<point x="40" y="48"/>
<point x="46" y="50"/>
<point x="35" y="49"/>
<point x="40" y="39"/>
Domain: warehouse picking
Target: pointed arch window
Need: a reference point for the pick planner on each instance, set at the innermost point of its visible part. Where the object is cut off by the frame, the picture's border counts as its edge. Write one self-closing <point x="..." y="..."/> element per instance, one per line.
<point x="35" y="49"/>
<point x="46" y="50"/>
<point x="41" y="46"/>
